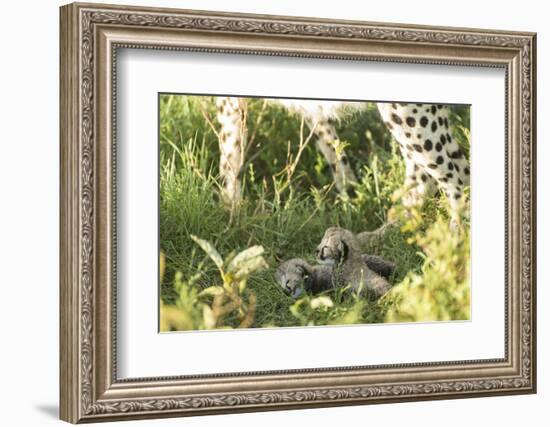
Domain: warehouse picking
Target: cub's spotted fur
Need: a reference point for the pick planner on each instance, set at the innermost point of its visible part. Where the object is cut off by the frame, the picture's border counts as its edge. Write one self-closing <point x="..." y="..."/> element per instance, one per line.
<point x="340" y="248"/>
<point x="297" y="276"/>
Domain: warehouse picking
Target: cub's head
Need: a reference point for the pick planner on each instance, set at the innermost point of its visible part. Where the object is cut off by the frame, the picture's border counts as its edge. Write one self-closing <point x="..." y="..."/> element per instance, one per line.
<point x="292" y="275"/>
<point x="335" y="246"/>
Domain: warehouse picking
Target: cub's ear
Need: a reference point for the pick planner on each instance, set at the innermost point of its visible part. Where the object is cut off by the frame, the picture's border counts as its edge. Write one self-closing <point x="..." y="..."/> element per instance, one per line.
<point x="343" y="251"/>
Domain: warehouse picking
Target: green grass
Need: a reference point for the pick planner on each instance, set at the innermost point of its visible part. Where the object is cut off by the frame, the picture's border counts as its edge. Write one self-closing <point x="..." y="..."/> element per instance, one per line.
<point x="288" y="218"/>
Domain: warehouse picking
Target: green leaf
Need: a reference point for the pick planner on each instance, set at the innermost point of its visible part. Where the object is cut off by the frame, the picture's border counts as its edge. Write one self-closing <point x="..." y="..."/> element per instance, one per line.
<point x="211" y="291"/>
<point x="210" y="251"/>
<point x="295" y="308"/>
<point x="250" y="266"/>
<point x="243" y="257"/>
<point x="322" y="301"/>
<point x="208" y="317"/>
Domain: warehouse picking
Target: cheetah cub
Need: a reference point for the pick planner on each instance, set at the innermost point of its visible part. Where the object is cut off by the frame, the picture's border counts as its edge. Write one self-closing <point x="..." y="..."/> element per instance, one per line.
<point x="339" y="247"/>
<point x="297" y="276"/>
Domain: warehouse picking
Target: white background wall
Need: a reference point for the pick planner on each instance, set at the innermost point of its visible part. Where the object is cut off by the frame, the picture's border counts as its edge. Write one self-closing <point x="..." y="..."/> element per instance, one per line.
<point x="29" y="170"/>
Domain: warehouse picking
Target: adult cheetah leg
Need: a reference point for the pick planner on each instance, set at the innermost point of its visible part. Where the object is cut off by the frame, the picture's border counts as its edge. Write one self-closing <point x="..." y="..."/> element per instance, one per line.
<point x="232" y="140"/>
<point x="452" y="181"/>
<point x="341" y="170"/>
<point x="418" y="183"/>
<point x="424" y="135"/>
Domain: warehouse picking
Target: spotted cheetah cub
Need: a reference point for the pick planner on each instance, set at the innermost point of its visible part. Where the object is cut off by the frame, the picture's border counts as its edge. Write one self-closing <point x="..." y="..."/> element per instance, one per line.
<point x="297" y="276"/>
<point x="339" y="247"/>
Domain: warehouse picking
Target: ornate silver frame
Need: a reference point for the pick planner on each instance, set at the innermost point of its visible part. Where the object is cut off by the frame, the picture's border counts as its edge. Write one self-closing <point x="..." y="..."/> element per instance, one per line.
<point x="90" y="36"/>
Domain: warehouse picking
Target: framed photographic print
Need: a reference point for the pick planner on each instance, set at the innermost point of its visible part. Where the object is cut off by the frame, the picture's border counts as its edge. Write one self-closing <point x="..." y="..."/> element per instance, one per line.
<point x="265" y="212"/>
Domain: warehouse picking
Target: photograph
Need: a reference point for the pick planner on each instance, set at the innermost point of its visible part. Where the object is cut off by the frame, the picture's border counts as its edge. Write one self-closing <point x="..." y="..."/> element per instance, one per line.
<point x="290" y="212"/>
